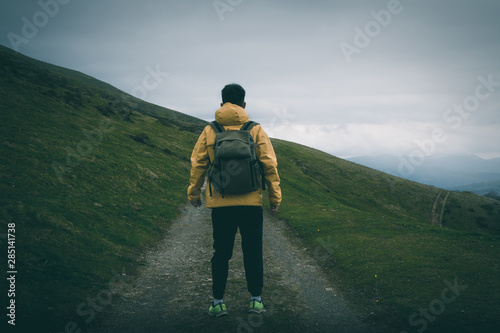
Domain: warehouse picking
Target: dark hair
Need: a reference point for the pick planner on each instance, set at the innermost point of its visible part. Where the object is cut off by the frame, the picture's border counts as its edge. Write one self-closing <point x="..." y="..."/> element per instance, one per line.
<point x="233" y="93"/>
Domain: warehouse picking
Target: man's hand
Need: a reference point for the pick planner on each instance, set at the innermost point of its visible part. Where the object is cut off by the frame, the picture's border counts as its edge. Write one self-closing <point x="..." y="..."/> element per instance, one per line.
<point x="195" y="203"/>
<point x="274" y="209"/>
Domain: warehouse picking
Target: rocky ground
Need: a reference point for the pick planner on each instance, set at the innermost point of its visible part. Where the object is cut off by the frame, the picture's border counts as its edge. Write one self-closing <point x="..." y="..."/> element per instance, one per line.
<point x="173" y="292"/>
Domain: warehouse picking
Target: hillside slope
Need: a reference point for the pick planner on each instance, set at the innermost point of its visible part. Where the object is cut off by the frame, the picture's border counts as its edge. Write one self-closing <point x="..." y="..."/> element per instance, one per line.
<point x="87" y="178"/>
<point x="394" y="246"/>
<point x="92" y="177"/>
<point x="449" y="171"/>
<point x="327" y="180"/>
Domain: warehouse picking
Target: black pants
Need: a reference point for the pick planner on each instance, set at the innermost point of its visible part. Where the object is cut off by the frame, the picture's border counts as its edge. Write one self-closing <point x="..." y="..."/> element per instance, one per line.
<point x="225" y="222"/>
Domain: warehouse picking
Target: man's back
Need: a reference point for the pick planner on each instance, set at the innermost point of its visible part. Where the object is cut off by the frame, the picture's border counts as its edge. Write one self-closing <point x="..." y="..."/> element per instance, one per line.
<point x="233" y="212"/>
<point x="232" y="117"/>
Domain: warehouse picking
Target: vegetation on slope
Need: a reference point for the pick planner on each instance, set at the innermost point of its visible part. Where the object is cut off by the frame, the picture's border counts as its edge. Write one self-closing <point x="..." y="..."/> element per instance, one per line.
<point x="372" y="234"/>
<point x="88" y="179"/>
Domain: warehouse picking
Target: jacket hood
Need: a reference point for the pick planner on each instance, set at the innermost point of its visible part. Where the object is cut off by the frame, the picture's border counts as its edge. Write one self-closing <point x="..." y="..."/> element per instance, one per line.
<point x="231" y="114"/>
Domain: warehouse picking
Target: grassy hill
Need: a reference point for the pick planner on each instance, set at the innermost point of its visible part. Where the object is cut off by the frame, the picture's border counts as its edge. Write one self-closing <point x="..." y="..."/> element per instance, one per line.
<point x="372" y="234"/>
<point x="92" y="177"/>
<point x="89" y="180"/>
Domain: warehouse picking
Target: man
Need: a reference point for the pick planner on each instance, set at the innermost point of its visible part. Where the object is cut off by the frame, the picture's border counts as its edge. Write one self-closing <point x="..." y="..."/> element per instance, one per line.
<point x="233" y="211"/>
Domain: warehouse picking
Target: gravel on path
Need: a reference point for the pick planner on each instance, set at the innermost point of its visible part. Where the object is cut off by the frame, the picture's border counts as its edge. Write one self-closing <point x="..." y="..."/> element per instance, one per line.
<point x="173" y="291"/>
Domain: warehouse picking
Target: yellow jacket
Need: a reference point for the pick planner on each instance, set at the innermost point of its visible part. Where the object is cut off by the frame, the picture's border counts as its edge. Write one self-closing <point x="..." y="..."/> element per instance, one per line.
<point x="232" y="117"/>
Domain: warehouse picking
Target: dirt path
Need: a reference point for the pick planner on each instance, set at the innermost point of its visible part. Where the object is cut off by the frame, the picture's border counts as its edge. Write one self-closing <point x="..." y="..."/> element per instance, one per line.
<point x="173" y="292"/>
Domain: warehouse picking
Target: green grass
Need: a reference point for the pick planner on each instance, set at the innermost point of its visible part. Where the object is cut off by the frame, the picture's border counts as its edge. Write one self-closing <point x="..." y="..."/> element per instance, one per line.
<point x="371" y="233"/>
<point x="109" y="197"/>
<point x="95" y="213"/>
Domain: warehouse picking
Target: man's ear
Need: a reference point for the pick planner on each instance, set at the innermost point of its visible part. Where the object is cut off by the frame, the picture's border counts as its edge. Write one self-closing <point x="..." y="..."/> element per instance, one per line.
<point x="244" y="105"/>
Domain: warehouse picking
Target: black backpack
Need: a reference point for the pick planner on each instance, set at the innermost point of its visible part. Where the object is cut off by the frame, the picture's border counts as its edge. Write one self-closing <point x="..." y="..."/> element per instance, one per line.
<point x="235" y="168"/>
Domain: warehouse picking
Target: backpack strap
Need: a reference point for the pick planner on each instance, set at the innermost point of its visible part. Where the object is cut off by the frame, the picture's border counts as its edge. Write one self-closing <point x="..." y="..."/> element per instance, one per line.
<point x="218" y="128"/>
<point x="248" y="125"/>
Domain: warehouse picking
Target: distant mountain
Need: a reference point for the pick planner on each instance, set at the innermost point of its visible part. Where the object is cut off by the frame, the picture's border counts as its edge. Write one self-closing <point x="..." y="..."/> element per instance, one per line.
<point x="481" y="188"/>
<point x="453" y="172"/>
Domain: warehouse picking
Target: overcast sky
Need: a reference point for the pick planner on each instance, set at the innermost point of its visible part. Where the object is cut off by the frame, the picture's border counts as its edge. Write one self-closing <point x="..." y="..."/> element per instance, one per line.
<point x="347" y="77"/>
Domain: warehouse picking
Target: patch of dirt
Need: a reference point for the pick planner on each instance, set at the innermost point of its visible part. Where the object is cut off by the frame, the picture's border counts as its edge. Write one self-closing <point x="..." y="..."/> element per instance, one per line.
<point x="173" y="292"/>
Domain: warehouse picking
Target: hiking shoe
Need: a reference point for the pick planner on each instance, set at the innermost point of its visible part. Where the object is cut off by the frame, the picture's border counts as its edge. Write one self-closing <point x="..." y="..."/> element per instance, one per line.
<point x="256" y="306"/>
<point x="217" y="310"/>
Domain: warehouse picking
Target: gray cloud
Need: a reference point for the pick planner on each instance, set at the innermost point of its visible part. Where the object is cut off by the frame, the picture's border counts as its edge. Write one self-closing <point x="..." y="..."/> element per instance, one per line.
<point x="287" y="55"/>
